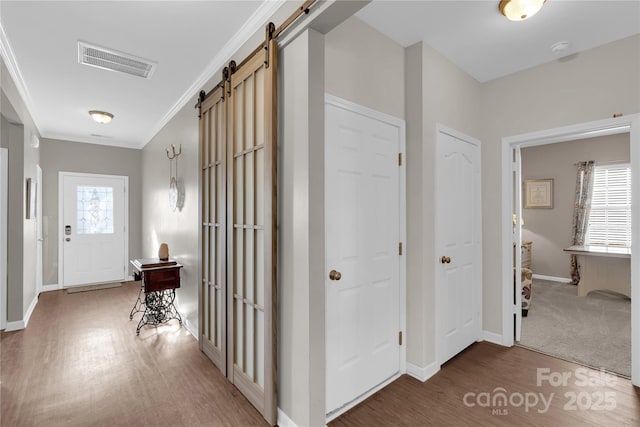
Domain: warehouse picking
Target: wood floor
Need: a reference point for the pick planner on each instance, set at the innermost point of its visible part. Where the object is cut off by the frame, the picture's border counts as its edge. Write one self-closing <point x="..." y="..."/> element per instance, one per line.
<point x="79" y="363"/>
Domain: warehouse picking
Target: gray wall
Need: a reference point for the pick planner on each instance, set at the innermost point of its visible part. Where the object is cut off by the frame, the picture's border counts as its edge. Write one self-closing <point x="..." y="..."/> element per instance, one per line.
<point x="592" y="85"/>
<point x="21" y="286"/>
<point x="550" y="229"/>
<point x="69" y="156"/>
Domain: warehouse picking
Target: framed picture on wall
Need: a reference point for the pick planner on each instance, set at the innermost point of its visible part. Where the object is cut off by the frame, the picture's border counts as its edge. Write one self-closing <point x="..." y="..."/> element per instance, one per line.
<point x="538" y="193"/>
<point x="31" y="199"/>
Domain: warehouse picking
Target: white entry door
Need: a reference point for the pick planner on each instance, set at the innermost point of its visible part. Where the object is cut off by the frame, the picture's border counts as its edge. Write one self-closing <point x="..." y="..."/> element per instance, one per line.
<point x="93" y="230"/>
<point x="458" y="243"/>
<point x="39" y="237"/>
<point x="363" y="289"/>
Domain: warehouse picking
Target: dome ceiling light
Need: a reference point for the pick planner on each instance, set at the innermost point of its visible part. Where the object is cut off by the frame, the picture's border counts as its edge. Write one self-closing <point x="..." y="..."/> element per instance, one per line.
<point x="519" y="10"/>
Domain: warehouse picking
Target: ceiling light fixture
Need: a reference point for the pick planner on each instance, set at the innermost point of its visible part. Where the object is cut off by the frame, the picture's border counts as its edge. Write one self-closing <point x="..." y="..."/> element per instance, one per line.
<point x="519" y="10"/>
<point x="101" y="117"/>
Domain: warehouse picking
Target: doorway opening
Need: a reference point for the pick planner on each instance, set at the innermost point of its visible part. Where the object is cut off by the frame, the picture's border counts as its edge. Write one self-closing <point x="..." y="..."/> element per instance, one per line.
<point x="512" y="201"/>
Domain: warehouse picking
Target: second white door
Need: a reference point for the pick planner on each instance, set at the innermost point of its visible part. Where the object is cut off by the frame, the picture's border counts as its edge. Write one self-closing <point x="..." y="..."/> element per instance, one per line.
<point x="93" y="228"/>
<point x="362" y="207"/>
<point x="458" y="243"/>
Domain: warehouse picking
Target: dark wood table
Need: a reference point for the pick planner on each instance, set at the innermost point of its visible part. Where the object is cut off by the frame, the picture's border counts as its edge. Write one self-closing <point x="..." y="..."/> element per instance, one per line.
<point x="158" y="283"/>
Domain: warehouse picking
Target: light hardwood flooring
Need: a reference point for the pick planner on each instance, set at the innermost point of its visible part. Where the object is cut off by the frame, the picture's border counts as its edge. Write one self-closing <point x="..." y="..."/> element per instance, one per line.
<point x="79" y="363"/>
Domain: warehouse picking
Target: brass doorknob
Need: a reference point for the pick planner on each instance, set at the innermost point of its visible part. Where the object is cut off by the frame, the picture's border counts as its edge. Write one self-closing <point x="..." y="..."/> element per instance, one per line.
<point x="335" y="275"/>
<point x="445" y="260"/>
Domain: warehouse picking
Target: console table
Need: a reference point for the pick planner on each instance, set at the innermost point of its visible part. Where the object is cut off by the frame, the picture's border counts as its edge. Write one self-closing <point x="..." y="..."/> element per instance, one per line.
<point x="158" y="283"/>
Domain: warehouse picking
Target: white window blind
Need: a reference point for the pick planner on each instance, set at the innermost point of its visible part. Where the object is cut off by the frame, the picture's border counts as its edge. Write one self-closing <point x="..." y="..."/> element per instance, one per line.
<point x="610" y="215"/>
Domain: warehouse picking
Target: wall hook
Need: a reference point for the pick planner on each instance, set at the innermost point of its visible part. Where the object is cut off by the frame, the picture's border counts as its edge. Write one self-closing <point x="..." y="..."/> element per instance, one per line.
<point x="173" y="152"/>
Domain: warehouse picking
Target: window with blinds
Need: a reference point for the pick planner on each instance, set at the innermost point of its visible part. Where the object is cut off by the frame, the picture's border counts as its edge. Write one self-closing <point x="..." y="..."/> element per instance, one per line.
<point x="610" y="215"/>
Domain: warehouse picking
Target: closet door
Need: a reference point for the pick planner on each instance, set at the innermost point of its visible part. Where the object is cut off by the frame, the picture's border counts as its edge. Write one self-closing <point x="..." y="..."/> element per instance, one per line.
<point x="213" y="284"/>
<point x="251" y="243"/>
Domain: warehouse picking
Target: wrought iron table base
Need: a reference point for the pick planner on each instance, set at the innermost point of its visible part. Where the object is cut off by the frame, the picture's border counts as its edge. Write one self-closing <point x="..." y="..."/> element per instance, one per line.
<point x="159" y="308"/>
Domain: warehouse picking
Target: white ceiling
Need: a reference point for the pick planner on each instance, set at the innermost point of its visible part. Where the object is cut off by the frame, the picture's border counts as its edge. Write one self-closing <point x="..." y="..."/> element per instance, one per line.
<point x="191" y="39"/>
<point x="185" y="38"/>
<point x="478" y="39"/>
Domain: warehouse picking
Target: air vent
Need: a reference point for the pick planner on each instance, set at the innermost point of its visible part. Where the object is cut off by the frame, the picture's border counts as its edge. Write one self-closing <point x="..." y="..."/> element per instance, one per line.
<point x="107" y="59"/>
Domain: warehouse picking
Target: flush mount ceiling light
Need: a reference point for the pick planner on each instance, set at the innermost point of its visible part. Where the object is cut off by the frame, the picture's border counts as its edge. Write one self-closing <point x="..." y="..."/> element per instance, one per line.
<point x="101" y="117"/>
<point x="519" y="10"/>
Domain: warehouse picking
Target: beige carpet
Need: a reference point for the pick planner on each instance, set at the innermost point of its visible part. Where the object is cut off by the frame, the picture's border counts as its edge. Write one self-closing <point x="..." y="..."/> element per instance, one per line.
<point x="76" y="289"/>
<point x="594" y="330"/>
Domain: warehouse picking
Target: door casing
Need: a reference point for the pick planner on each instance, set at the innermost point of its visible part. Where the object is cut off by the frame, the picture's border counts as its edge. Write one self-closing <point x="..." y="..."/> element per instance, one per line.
<point x="624" y="124"/>
<point x="61" y="176"/>
<point x="440" y="315"/>
<point x="377" y="115"/>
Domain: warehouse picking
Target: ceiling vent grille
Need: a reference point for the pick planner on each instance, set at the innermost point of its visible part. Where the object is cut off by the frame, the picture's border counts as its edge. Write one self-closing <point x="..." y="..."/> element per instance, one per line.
<point x="108" y="59"/>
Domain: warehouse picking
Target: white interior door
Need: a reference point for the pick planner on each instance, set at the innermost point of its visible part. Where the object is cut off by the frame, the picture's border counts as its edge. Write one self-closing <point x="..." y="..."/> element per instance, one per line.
<point x="93" y="230"/>
<point x="458" y="243"/>
<point x="517" y="239"/>
<point x="362" y="208"/>
<point x="39" y="238"/>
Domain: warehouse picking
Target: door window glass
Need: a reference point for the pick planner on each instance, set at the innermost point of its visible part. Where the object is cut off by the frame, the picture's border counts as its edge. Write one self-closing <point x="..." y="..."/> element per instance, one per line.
<point x="95" y="210"/>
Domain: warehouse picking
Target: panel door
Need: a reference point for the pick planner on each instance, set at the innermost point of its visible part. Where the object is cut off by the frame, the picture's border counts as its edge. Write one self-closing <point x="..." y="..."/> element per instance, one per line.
<point x="458" y="292"/>
<point x="213" y="211"/>
<point x="93" y="229"/>
<point x="362" y="245"/>
<point x="251" y="191"/>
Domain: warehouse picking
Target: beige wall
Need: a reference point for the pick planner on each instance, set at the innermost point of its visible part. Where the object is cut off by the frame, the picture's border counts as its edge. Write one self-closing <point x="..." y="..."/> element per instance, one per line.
<point x="364" y="66"/>
<point x="593" y="85"/>
<point x="550" y="229"/>
<point x="437" y="92"/>
<point x="21" y="287"/>
<point x="69" y="156"/>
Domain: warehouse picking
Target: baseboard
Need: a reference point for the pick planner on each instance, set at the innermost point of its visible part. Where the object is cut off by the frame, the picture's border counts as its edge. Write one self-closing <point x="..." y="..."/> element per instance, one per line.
<point x="49" y="288"/>
<point x="191" y="328"/>
<point x="14" y="326"/>
<point x="29" y="312"/>
<point x="284" y="420"/>
<point x="551" y="278"/>
<point x="492" y="337"/>
<point x="22" y="324"/>
<point x="423" y="373"/>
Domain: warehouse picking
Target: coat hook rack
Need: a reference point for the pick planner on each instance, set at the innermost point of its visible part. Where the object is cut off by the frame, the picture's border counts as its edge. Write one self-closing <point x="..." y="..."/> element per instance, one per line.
<point x="172" y="153"/>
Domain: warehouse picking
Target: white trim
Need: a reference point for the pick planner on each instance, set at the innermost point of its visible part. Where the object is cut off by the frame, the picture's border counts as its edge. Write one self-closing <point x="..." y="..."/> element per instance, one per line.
<point x="400" y="124"/>
<point x="61" y="176"/>
<point x="284" y="420"/>
<point x="551" y="278"/>
<point x="422" y="373"/>
<point x="6" y="51"/>
<point x="50" y="288"/>
<point x="492" y="337"/>
<point x="438" y="291"/>
<point x="4" y="197"/>
<point x="29" y="312"/>
<point x="333" y="415"/>
<point x="255" y="23"/>
<point x="22" y="324"/>
<point x="190" y="327"/>
<point x="624" y="124"/>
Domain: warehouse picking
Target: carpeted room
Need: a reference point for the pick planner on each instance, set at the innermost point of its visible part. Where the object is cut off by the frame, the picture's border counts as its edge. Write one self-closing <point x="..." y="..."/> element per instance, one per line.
<point x="588" y="322"/>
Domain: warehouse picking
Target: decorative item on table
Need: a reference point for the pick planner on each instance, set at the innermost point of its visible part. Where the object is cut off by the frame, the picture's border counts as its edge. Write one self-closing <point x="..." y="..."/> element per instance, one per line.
<point x="163" y="252"/>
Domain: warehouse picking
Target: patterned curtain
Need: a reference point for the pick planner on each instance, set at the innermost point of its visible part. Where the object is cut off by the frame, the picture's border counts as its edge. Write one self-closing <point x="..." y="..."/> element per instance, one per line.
<point x="584" y="189"/>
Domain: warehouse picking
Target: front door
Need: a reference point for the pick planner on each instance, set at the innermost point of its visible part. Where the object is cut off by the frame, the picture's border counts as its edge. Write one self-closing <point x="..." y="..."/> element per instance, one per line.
<point x="458" y="243"/>
<point x="362" y="208"/>
<point x="93" y="228"/>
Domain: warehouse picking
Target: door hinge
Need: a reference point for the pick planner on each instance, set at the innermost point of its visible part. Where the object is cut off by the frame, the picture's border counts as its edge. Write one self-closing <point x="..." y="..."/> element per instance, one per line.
<point x="400" y="248"/>
<point x="400" y="338"/>
<point x="399" y="159"/>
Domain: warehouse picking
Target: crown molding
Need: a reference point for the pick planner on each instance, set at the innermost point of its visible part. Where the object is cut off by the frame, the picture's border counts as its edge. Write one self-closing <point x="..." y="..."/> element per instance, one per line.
<point x="6" y="51"/>
<point x="253" y="24"/>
